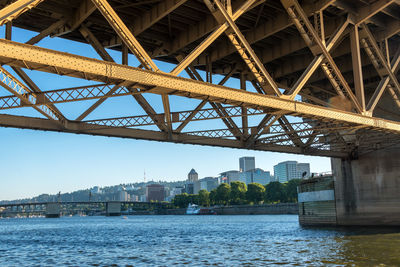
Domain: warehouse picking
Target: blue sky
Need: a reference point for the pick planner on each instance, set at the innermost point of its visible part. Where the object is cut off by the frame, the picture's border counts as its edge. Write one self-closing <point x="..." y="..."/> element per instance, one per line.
<point x="35" y="162"/>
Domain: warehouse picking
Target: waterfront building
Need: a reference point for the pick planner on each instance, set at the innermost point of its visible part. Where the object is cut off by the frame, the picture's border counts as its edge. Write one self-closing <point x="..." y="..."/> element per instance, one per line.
<point x="123" y="196"/>
<point x="209" y="183"/>
<point x="143" y="198"/>
<point x="288" y="170"/>
<point x="155" y="192"/>
<point x="256" y="175"/>
<point x="229" y="176"/>
<point x="193" y="176"/>
<point x="247" y="164"/>
<point x="134" y="198"/>
<point x="189" y="188"/>
<point x="177" y="191"/>
<point x="196" y="187"/>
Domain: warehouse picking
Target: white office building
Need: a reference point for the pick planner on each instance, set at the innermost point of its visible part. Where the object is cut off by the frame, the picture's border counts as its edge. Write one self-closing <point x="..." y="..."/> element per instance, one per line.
<point x="288" y="170"/>
<point x="229" y="176"/>
<point x="255" y="176"/>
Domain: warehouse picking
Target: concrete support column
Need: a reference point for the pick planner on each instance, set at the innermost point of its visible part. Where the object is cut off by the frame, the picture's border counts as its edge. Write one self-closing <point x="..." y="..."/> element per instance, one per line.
<point x="367" y="189"/>
<point x="113" y="208"/>
<point x="52" y="210"/>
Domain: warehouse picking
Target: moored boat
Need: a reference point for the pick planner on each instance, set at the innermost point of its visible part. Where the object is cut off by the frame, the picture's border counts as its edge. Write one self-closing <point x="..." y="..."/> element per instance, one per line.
<point x="194" y="209"/>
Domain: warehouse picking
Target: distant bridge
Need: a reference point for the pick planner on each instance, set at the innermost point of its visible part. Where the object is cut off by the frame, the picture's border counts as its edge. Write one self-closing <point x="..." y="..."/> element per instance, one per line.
<point x="54" y="209"/>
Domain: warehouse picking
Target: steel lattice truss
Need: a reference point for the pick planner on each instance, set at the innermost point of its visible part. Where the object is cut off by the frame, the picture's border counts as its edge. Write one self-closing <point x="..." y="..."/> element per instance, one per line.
<point x="317" y="77"/>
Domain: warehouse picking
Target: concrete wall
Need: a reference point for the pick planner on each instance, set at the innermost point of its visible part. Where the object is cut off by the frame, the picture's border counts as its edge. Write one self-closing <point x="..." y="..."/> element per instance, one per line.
<point x="53" y="210"/>
<point x="113" y="208"/>
<point x="281" y="208"/>
<point x="367" y="189"/>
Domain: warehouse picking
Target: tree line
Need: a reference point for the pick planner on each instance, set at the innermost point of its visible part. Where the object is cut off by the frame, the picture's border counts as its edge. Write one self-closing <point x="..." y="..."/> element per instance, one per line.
<point x="237" y="193"/>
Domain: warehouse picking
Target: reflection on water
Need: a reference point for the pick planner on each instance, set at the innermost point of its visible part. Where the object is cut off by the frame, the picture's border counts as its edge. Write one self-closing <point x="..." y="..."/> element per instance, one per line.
<point x="192" y="240"/>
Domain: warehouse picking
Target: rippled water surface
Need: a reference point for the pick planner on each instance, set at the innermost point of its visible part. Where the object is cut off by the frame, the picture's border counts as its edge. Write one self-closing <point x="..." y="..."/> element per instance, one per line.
<point x="191" y="240"/>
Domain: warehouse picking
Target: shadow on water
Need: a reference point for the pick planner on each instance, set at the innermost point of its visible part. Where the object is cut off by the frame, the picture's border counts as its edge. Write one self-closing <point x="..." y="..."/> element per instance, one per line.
<point x="364" y="245"/>
<point x="357" y="230"/>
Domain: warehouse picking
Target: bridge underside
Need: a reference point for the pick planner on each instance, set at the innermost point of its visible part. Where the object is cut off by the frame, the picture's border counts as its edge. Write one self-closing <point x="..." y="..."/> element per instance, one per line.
<point x="316" y="77"/>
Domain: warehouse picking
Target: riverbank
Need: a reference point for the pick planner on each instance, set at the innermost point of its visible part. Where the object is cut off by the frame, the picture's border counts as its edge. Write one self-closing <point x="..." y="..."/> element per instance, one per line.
<point x="280" y="208"/>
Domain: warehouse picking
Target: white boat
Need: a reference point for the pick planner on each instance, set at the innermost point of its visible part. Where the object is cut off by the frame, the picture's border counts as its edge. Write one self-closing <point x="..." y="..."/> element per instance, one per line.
<point x="192" y="209"/>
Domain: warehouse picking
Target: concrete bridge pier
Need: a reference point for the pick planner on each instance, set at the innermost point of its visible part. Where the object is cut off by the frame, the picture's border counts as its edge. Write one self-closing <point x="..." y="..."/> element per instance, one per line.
<point x="52" y="210"/>
<point x="367" y="189"/>
<point x="113" y="208"/>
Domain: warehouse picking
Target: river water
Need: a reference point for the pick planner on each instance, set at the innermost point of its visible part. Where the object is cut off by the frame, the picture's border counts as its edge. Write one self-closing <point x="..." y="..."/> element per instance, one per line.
<point x="255" y="240"/>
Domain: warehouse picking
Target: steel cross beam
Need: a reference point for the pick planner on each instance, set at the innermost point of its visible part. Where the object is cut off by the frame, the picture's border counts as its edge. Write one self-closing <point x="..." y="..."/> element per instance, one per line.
<point x="98" y="91"/>
<point x="84" y="128"/>
<point x="149" y="18"/>
<point x="85" y="9"/>
<point x="125" y="34"/>
<point x="385" y="71"/>
<point x="87" y="34"/>
<point x="290" y="132"/>
<point x="388" y="71"/>
<point x="32" y="57"/>
<point x="369" y="11"/>
<point x="232" y="127"/>
<point x="11" y="84"/>
<point x="195" y="32"/>
<point x="311" y="38"/>
<point x="195" y="76"/>
<point x="317" y="61"/>
<point x="181" y="116"/>
<point x="210" y="39"/>
<point x="17" y="8"/>
<point x="146" y="61"/>
<point x="263" y="127"/>
<point x="245" y="51"/>
<point x="32" y="87"/>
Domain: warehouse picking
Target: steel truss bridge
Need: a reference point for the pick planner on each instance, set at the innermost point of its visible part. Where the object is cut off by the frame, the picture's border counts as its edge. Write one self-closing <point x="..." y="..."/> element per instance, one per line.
<point x="317" y="77"/>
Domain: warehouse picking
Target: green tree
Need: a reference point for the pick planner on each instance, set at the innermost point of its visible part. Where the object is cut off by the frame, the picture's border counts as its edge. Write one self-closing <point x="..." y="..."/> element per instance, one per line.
<point x="255" y="192"/>
<point x="204" y="198"/>
<point x="181" y="200"/>
<point x="213" y="197"/>
<point x="238" y="192"/>
<point x="223" y="193"/>
<point x="275" y="192"/>
<point x="291" y="190"/>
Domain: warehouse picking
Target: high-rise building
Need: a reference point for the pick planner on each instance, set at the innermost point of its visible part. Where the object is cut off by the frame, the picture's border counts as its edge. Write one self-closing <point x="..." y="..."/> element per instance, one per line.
<point x="208" y="183"/>
<point x="247" y="164"/>
<point x="155" y="192"/>
<point x="255" y="176"/>
<point x="229" y="176"/>
<point x="288" y="170"/>
<point x="193" y="176"/>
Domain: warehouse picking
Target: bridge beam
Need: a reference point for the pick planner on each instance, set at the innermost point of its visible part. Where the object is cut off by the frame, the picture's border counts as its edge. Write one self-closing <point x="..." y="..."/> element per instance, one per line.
<point x="22" y="55"/>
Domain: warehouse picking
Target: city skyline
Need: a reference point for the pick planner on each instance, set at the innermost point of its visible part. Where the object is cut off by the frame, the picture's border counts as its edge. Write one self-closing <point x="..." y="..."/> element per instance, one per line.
<point x="86" y="161"/>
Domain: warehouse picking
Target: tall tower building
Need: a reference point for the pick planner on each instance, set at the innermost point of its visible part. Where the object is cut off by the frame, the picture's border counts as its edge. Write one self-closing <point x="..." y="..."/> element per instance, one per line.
<point x="247" y="164"/>
<point x="193" y="176"/>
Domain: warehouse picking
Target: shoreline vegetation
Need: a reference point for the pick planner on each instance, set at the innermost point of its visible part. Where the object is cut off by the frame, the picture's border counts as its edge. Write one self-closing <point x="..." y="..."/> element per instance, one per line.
<point x="237" y="193"/>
